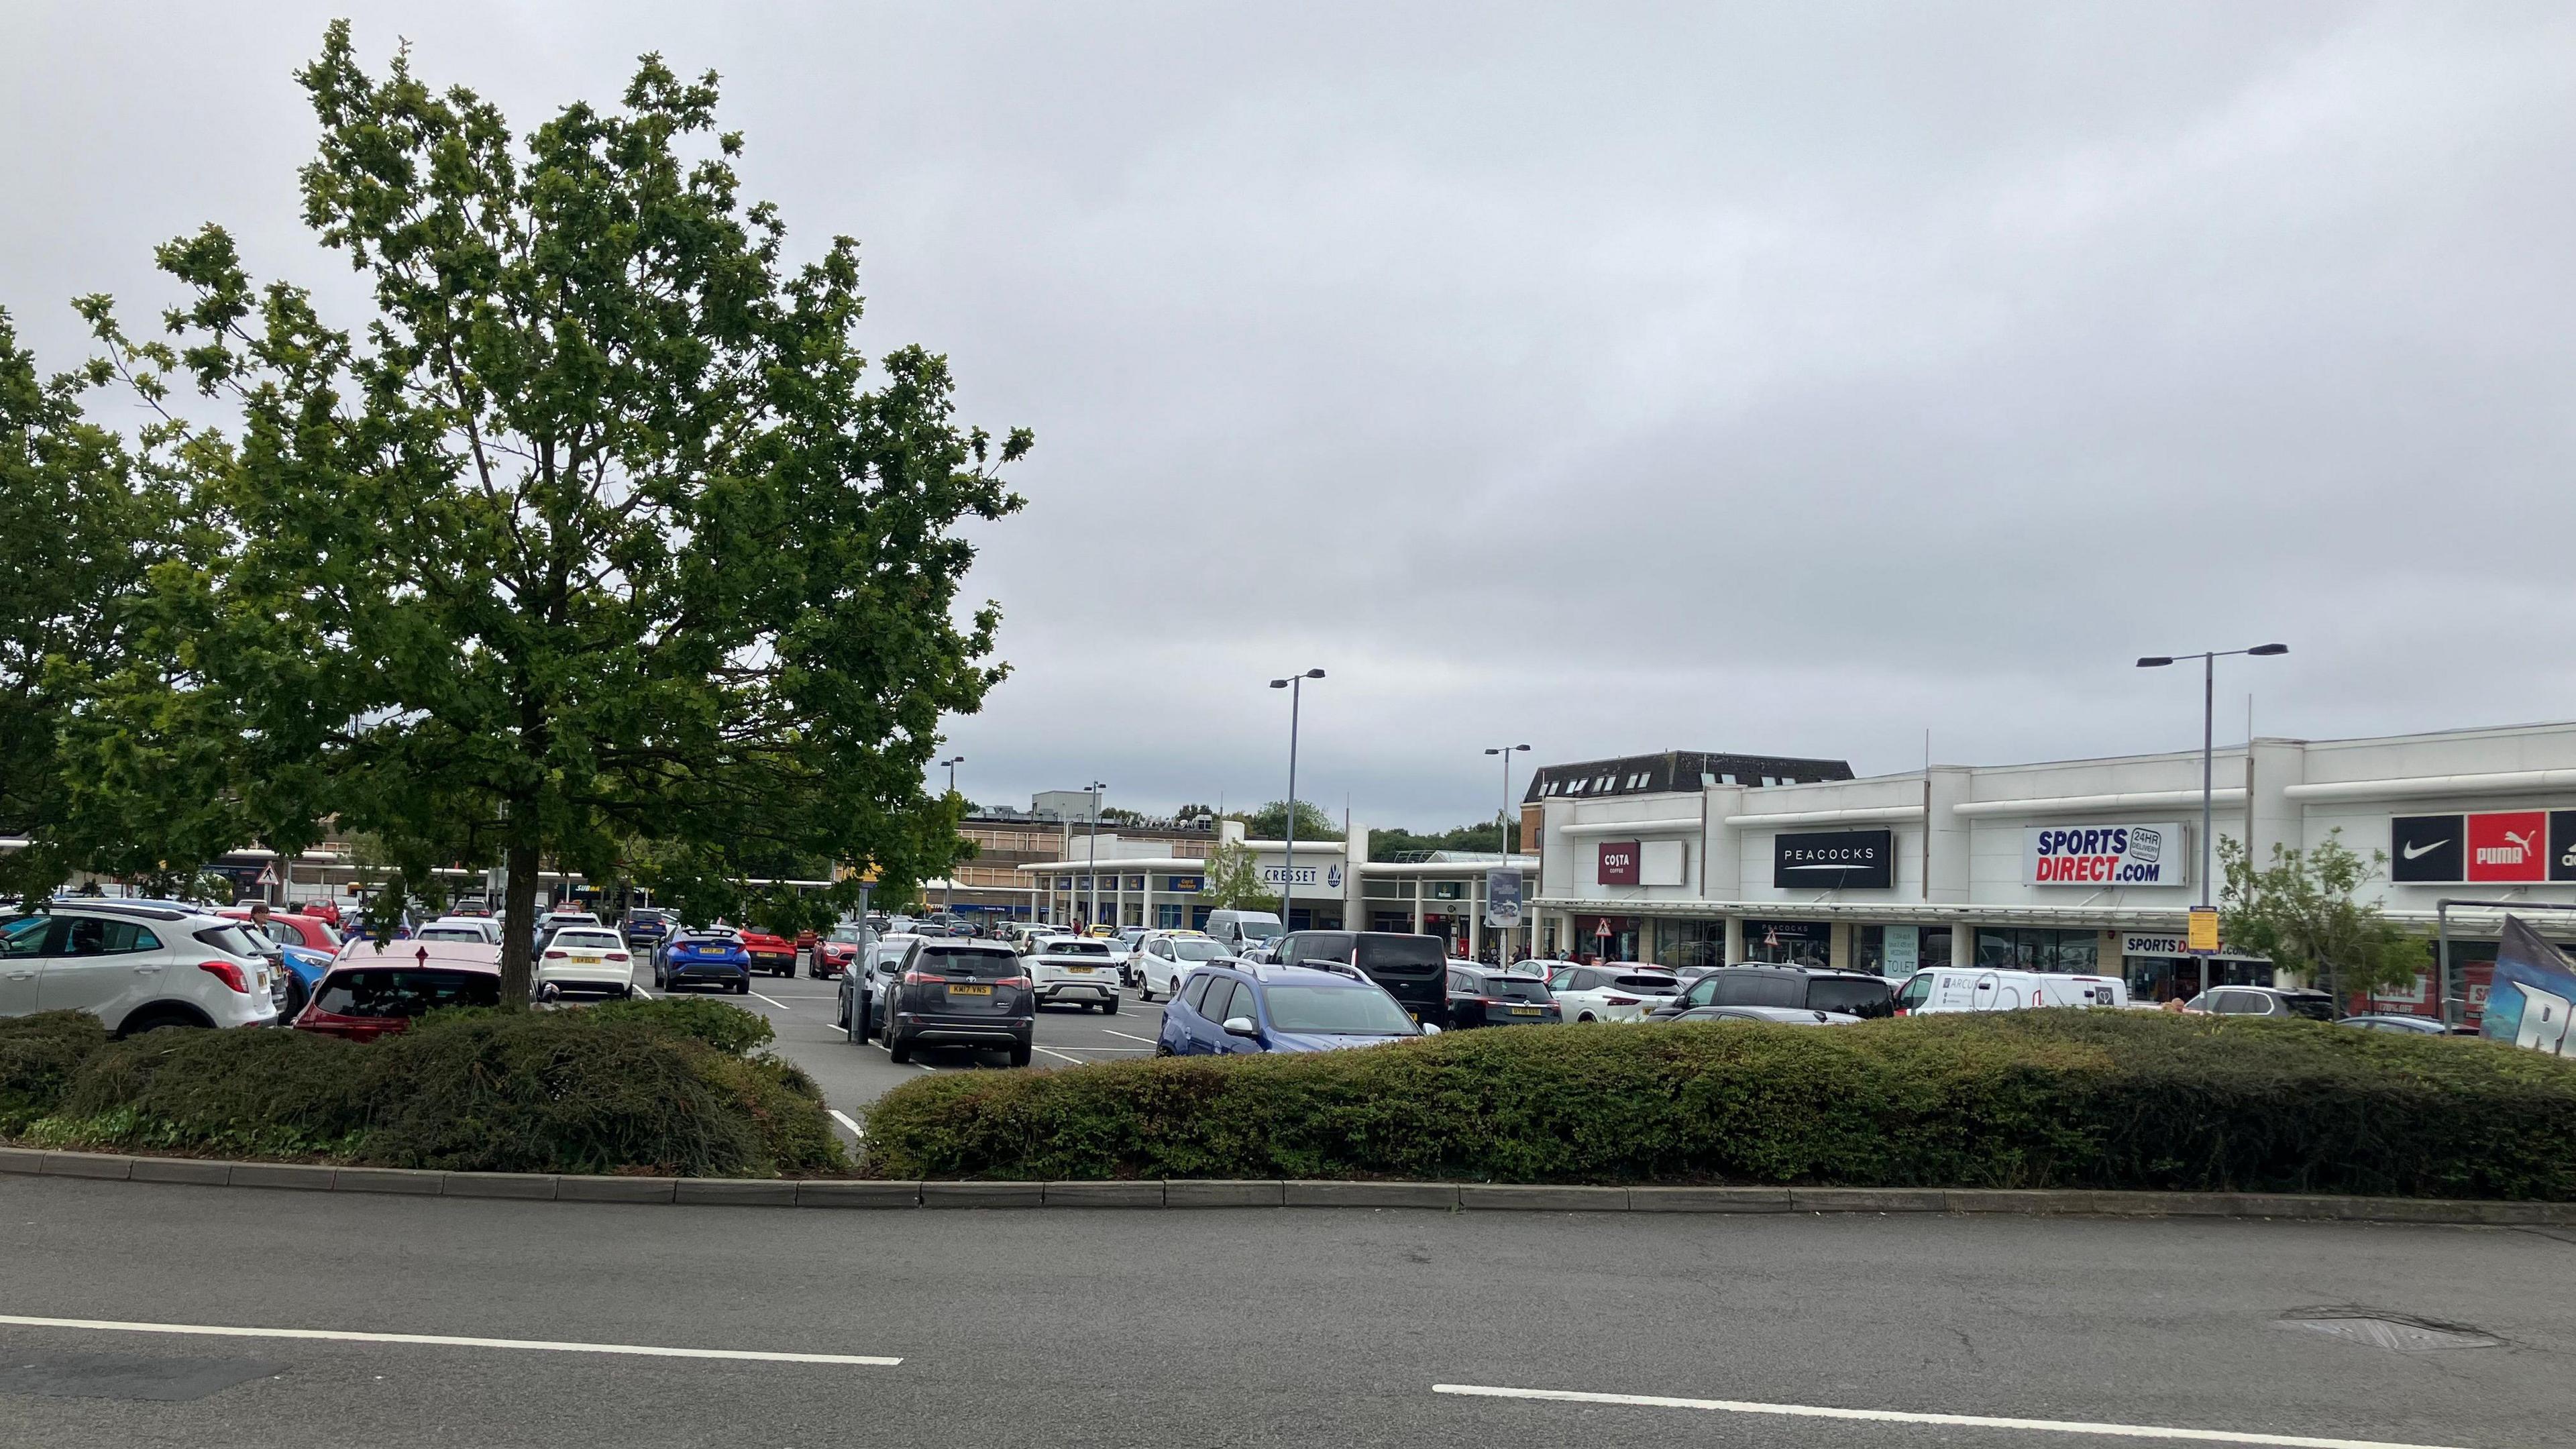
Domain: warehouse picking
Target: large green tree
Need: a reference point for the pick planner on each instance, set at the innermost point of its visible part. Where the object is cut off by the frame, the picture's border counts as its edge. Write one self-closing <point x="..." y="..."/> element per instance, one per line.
<point x="1270" y="822"/>
<point x="597" y="542"/>
<point x="2303" y="912"/>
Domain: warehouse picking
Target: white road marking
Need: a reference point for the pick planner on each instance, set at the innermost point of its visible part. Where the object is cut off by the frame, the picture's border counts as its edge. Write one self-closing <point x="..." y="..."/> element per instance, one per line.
<point x="1893" y="1416"/>
<point x="446" y="1340"/>
<point x="1131" y="1036"/>
<point x="844" y="1119"/>
<point x="647" y="995"/>
<point x="1051" y="1051"/>
<point x="1137" y="1050"/>
<point x="774" y="1001"/>
<point x="879" y="1044"/>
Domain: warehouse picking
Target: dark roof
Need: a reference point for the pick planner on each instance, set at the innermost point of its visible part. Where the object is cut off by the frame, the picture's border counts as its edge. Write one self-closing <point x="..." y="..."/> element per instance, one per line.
<point x="1676" y="770"/>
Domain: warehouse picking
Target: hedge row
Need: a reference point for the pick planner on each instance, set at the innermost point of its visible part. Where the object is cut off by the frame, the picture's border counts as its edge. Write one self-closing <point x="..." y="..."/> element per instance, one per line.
<point x="2092" y="1099"/>
<point x="667" y="1087"/>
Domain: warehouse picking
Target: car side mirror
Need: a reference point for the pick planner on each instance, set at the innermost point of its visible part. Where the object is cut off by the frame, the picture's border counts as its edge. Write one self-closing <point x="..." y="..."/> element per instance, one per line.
<point x="1241" y="1026"/>
<point x="1430" y="1028"/>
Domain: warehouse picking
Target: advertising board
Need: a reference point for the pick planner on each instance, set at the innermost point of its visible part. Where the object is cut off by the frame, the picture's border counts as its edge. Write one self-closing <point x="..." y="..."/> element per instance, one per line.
<point x="2127" y="854"/>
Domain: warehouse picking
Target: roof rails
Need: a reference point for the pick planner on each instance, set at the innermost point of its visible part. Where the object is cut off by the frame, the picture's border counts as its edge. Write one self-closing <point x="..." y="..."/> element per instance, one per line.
<point x="125" y="907"/>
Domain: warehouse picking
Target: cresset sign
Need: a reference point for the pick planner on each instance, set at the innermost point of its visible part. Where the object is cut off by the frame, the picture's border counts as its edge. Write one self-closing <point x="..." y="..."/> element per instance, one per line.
<point x="2105" y="855"/>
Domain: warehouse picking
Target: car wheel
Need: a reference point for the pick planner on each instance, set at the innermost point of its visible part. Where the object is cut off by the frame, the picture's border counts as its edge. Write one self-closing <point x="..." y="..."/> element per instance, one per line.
<point x="1587" y="1016"/>
<point x="896" y="1047"/>
<point x="1020" y="1053"/>
<point x="1109" y="1007"/>
<point x="1162" y="1048"/>
<point x="743" y="987"/>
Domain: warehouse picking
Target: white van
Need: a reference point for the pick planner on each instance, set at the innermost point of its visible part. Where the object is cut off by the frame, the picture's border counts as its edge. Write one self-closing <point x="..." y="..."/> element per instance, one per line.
<point x="1240" y="931"/>
<point x="1953" y="988"/>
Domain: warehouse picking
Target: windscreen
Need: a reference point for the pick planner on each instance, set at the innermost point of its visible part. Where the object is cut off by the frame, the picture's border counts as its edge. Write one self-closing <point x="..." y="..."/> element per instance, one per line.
<point x="1403" y="955"/>
<point x="968" y="965"/>
<point x="2310" y="1007"/>
<point x="1258" y="930"/>
<point x="1651" y="985"/>
<point x="405" y="991"/>
<point x="1337" y="1010"/>
<point x="1859" y="998"/>
<point x="1198" y="950"/>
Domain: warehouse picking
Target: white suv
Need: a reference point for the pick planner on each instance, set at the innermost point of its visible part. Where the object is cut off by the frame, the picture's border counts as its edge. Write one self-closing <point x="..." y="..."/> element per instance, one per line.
<point x="1079" y="969"/>
<point x="1166" y="957"/>
<point x="136" y="965"/>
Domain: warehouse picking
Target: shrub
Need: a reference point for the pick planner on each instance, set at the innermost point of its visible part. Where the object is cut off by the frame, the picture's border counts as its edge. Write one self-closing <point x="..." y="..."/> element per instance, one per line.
<point x="729" y="1029"/>
<point x="38" y="1055"/>
<point x="2023" y="1099"/>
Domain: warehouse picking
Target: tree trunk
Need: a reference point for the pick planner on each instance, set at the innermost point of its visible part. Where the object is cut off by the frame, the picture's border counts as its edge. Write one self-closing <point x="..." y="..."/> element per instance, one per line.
<point x="519" y="920"/>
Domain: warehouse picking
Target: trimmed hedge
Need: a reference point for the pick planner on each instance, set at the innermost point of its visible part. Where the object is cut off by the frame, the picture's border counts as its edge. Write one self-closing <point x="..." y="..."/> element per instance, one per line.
<point x="2093" y="1099"/>
<point x="671" y="1091"/>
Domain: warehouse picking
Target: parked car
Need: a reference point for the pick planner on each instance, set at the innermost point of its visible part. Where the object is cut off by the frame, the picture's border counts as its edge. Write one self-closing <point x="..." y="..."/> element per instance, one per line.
<point x="1807" y="988"/>
<point x="1615" y="991"/>
<point x="1413" y="969"/>
<point x="1774" y="1015"/>
<point x="1491" y="996"/>
<point x="321" y="910"/>
<point x="833" y="953"/>
<point x="1168" y="956"/>
<point x="2408" y="1025"/>
<point x="299" y="949"/>
<point x="954" y="991"/>
<point x="770" y="952"/>
<point x="1125" y="948"/>
<point x="1229" y="1009"/>
<point x="137" y="966"/>
<point x="1075" y="969"/>
<point x="370" y="994"/>
<point x="1967" y="988"/>
<point x="461" y="928"/>
<point x="647" y="926"/>
<point x="586" y="959"/>
<point x="2264" y="1001"/>
<point x="1240" y="931"/>
<point x="704" y="956"/>
<point x="866" y="984"/>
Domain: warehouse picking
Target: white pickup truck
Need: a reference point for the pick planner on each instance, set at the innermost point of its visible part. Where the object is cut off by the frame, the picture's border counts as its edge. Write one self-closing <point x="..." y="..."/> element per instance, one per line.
<point x="1079" y="969"/>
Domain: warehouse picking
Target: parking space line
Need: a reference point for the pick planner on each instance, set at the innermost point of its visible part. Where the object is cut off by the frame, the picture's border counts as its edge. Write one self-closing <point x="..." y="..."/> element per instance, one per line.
<point x="1051" y="1051"/>
<point x="774" y="1001"/>
<point x="1895" y="1416"/>
<point x="844" y="1119"/>
<point x="213" y="1330"/>
<point x="1131" y="1036"/>
<point x="879" y="1044"/>
<point x="1139" y="1050"/>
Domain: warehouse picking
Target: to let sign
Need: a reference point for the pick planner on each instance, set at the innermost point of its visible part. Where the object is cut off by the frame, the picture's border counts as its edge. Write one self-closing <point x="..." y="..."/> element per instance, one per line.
<point x="1618" y="862"/>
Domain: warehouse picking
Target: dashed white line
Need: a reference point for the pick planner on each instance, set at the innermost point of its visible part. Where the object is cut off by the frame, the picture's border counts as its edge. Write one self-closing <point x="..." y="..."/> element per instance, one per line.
<point x="879" y="1044"/>
<point x="1895" y="1416"/>
<point x="774" y="1001"/>
<point x="214" y="1330"/>
<point x="844" y="1119"/>
<point x="1051" y="1051"/>
<point x="1131" y="1036"/>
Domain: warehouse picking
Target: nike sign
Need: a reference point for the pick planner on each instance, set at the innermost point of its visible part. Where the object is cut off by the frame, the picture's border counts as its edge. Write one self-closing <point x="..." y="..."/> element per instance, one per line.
<point x="2413" y="851"/>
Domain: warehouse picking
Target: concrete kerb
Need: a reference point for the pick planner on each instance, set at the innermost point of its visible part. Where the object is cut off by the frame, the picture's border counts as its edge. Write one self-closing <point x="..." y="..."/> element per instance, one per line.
<point x="1434" y="1196"/>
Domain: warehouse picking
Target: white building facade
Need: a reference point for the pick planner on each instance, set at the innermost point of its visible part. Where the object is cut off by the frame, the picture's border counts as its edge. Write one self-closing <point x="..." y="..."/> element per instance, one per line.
<point x="2070" y="866"/>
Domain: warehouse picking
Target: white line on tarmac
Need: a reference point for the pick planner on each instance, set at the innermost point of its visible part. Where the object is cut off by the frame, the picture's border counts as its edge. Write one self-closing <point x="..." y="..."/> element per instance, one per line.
<point x="1137" y="1050"/>
<point x="1131" y="1036"/>
<point x="879" y="1044"/>
<point x="844" y="1119"/>
<point x="774" y="1001"/>
<point x="1051" y="1051"/>
<point x="446" y="1340"/>
<point x="1893" y="1416"/>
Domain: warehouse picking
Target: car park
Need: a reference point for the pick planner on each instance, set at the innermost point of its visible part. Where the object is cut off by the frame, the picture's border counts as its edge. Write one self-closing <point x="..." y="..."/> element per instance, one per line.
<point x="2264" y="1001"/>
<point x="320" y="910"/>
<point x="1125" y="949"/>
<point x="1961" y="988"/>
<point x="1230" y="1009"/>
<point x="590" y="959"/>
<point x="1807" y="988"/>
<point x="1485" y="996"/>
<point x="1413" y="969"/>
<point x="769" y="952"/>
<point x="1771" y="1015"/>
<point x="951" y="991"/>
<point x="1169" y="956"/>
<point x="1076" y="970"/>
<point x="712" y="956"/>
<point x="298" y="947"/>
<point x="137" y="966"/>
<point x="1613" y="991"/>
<point x="369" y="994"/>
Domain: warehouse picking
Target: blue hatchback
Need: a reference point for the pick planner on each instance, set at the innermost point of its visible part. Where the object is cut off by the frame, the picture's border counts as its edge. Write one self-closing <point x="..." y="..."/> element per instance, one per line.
<point x="1241" y="1011"/>
<point x="703" y="956"/>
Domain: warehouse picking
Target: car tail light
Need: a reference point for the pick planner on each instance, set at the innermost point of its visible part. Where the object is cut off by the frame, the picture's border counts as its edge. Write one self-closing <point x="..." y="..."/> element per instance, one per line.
<point x="923" y="978"/>
<point x="554" y="955"/>
<point x="1012" y="981"/>
<point x="616" y="955"/>
<point x="227" y="973"/>
<point x="1620" y="1000"/>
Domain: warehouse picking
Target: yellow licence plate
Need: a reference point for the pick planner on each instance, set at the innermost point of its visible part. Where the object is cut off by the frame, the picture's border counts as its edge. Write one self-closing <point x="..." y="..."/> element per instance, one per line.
<point x="587" y="960"/>
<point x="1083" y="970"/>
<point x="1524" y="1011"/>
<point x="970" y="990"/>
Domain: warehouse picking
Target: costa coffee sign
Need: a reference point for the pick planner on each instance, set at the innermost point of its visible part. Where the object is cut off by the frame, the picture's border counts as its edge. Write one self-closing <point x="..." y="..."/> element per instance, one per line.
<point x="2483" y="847"/>
<point x="1618" y="863"/>
<point x="2105" y="855"/>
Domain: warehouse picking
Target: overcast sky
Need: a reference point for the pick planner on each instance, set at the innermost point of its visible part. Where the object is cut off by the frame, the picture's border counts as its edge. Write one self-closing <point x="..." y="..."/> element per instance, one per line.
<point x="1787" y="378"/>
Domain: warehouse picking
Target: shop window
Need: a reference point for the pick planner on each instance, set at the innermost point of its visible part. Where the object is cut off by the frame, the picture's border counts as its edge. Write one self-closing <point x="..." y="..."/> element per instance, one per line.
<point x="1690" y="943"/>
<point x="1382" y="889"/>
<point x="1789" y="943"/>
<point x="2067" y="953"/>
<point x="1444" y="890"/>
<point x="1169" y="917"/>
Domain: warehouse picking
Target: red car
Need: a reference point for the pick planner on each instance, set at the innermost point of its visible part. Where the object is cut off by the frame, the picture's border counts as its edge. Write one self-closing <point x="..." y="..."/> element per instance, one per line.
<point x="310" y="931"/>
<point x="833" y="957"/>
<point x="327" y="910"/>
<point x="368" y="994"/>
<point x="773" y="954"/>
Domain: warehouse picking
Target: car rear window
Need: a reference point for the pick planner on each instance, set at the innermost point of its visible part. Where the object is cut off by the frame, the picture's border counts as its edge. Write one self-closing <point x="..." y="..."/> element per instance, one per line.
<point x="1860" y="998"/>
<point x="1755" y="988"/>
<point x="1403" y="955"/>
<point x="968" y="965"/>
<point x="230" y="939"/>
<point x="589" y="941"/>
<point x="405" y="991"/>
<point x="1076" y="948"/>
<point x="1517" y="988"/>
<point x="1337" y="1010"/>
<point x="449" y="933"/>
<point x="1663" y="985"/>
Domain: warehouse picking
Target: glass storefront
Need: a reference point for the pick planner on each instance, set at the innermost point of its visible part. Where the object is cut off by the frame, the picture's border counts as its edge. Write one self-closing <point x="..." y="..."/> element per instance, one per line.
<point x="1897" y="952"/>
<point x="1789" y="943"/>
<point x="2155" y="979"/>
<point x="2065" y="953"/>
<point x="1689" y="943"/>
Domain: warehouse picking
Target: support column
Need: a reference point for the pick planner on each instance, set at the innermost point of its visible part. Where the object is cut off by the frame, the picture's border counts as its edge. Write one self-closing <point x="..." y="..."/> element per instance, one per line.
<point x="1735" y="940"/>
<point x="1146" y="911"/>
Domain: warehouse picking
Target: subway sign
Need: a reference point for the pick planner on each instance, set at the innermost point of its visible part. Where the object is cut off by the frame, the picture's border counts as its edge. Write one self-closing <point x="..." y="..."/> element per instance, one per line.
<point x="2153" y="854"/>
<point x="2483" y="847"/>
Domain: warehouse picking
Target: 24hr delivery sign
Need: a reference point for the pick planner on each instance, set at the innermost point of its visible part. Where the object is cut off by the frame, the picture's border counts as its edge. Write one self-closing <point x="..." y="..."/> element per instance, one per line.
<point x="2105" y="855"/>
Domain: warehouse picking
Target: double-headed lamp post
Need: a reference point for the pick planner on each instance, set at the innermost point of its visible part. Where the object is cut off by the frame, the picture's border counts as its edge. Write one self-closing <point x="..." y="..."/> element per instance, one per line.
<point x="1295" y="684"/>
<point x="1503" y="843"/>
<point x="2208" y="728"/>
<point x="1091" y="854"/>
<point x="948" y="883"/>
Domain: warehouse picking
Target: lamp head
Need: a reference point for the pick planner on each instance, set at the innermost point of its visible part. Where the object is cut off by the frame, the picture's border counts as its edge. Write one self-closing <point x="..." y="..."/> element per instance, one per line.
<point x="1279" y="684"/>
<point x="1314" y="674"/>
<point x="2268" y="649"/>
<point x="2155" y="661"/>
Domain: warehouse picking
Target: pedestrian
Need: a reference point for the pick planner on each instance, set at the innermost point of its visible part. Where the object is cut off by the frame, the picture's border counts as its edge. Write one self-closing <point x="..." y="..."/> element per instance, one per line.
<point x="259" y="915"/>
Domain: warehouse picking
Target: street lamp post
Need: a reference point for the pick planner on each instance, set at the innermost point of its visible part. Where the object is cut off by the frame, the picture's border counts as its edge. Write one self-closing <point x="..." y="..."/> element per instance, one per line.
<point x="1091" y="854"/>
<point x="1503" y="837"/>
<point x="2208" y="728"/>
<point x="1295" y="684"/>
<point x="948" y="883"/>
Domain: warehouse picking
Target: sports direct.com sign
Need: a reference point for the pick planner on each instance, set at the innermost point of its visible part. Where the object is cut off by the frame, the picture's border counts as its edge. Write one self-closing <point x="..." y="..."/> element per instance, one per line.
<point x="2106" y="855"/>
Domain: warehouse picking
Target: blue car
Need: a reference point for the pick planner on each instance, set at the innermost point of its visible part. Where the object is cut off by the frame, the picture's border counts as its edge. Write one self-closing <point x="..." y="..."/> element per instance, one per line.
<point x="1240" y="1010"/>
<point x="701" y="957"/>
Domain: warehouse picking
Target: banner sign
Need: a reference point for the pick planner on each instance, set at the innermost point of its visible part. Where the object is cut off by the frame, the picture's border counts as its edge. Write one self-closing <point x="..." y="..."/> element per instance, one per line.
<point x="1832" y="860"/>
<point x="2202" y="937"/>
<point x="2494" y="846"/>
<point x="2106" y="855"/>
<point x="1503" y="898"/>
<point x="1618" y="862"/>
<point x="2533" y="995"/>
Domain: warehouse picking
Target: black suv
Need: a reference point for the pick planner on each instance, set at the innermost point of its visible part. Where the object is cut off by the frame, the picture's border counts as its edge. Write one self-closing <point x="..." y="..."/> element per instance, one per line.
<point x="1853" y="993"/>
<point x="1413" y="969"/>
<point x="957" y="991"/>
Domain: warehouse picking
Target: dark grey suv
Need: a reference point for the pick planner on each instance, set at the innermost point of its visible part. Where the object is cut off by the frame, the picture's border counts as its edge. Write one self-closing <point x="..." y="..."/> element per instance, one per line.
<point x="957" y="991"/>
<point x="1806" y="988"/>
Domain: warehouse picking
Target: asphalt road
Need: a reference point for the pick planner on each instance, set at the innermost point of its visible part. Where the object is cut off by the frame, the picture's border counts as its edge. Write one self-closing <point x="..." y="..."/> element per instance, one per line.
<point x="802" y="1011"/>
<point x="1278" y="1326"/>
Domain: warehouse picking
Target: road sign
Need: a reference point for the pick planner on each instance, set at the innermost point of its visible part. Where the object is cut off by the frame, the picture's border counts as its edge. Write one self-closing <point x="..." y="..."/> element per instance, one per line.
<point x="1601" y="927"/>
<point x="2203" y="940"/>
